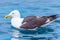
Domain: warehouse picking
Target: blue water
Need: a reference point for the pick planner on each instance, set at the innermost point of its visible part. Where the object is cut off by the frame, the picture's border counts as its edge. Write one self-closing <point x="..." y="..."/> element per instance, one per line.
<point x="30" y="7"/>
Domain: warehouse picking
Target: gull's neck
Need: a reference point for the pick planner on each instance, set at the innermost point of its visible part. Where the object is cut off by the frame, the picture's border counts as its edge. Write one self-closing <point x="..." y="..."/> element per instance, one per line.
<point x="16" y="18"/>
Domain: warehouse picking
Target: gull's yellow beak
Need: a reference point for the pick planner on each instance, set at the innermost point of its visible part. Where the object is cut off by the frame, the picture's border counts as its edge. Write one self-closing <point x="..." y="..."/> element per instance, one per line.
<point x="7" y="16"/>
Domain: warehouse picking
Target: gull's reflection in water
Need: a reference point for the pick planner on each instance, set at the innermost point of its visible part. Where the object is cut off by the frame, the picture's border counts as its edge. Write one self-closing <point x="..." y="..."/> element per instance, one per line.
<point x="15" y="35"/>
<point x="20" y="34"/>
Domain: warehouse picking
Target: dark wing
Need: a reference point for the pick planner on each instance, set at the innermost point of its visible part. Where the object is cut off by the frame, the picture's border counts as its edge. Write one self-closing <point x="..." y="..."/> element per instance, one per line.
<point x="33" y="22"/>
<point x="28" y="18"/>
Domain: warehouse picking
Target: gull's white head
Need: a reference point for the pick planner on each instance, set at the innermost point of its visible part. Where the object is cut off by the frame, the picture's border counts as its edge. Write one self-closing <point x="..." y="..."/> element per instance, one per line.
<point x="14" y="13"/>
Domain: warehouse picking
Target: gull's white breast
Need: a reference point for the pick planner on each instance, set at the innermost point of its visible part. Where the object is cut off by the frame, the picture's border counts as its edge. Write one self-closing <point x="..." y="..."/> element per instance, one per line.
<point x="16" y="22"/>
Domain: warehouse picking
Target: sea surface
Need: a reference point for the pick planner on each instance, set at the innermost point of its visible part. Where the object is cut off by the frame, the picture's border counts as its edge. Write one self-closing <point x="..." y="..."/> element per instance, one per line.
<point x="30" y="7"/>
